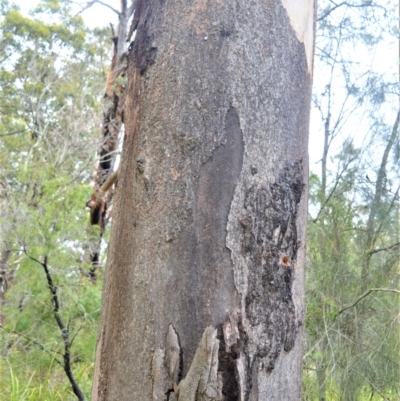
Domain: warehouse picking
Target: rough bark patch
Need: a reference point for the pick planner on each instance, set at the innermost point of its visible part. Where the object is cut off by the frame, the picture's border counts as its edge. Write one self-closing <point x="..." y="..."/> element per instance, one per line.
<point x="143" y="51"/>
<point x="228" y="354"/>
<point x="270" y="244"/>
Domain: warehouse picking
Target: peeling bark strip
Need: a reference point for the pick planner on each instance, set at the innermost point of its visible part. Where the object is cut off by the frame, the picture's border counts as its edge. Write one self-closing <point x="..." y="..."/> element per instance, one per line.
<point x="302" y="19"/>
<point x="173" y="356"/>
<point x="111" y="128"/>
<point x="270" y="244"/>
<point x="203" y="383"/>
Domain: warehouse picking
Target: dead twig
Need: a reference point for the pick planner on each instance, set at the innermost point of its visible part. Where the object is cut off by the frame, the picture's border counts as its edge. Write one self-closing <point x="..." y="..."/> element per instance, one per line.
<point x="361" y="297"/>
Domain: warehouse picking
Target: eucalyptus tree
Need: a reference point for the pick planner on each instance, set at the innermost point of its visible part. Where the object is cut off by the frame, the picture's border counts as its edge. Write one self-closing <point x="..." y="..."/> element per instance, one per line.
<point x="203" y="296"/>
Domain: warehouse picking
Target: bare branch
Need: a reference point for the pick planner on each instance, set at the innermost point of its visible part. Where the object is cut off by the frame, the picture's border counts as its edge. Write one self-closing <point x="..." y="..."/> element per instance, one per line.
<point x="392" y="204"/>
<point x="14" y="133"/>
<point x="365" y="295"/>
<point x="335" y="186"/>
<point x="379" y="186"/>
<point x="41" y="346"/>
<point x="376" y="389"/>
<point x="112" y="30"/>
<point x="90" y="4"/>
<point x="31" y="257"/>
<point x="109" y="182"/>
<point x="345" y="3"/>
<point x="394" y="246"/>
<point x="132" y="8"/>
<point x="76" y="333"/>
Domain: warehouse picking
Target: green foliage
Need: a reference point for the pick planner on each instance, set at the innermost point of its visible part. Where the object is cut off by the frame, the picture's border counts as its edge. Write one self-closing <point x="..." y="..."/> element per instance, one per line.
<point x="352" y="349"/>
<point x="44" y="388"/>
<point x="356" y="351"/>
<point x="51" y="82"/>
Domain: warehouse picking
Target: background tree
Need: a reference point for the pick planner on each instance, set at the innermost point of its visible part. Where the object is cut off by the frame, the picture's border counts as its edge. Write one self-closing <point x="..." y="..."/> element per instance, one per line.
<point x="203" y="297"/>
<point x="52" y="73"/>
<point x="353" y="234"/>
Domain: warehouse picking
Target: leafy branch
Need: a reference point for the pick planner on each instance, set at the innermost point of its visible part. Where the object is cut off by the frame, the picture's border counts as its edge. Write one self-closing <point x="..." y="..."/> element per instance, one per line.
<point x="64" y="330"/>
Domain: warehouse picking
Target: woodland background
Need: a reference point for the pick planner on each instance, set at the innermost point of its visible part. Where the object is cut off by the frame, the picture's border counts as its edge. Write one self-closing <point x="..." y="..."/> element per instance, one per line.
<point x="53" y="71"/>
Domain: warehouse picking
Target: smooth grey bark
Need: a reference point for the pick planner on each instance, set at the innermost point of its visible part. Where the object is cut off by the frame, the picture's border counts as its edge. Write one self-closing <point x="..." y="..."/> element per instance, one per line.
<point x="203" y="295"/>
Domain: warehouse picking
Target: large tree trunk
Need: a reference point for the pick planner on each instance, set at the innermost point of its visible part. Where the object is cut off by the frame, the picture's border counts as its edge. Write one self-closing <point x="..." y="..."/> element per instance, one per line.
<point x="203" y="296"/>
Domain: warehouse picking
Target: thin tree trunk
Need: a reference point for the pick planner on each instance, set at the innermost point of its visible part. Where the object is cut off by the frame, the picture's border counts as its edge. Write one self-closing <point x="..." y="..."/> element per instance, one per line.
<point x="373" y="232"/>
<point x="321" y="371"/>
<point x="203" y="295"/>
<point x="6" y="276"/>
<point x="325" y="160"/>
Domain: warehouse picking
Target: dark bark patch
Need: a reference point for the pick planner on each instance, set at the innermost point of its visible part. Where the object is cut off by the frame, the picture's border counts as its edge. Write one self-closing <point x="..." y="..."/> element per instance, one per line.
<point x="220" y="174"/>
<point x="225" y="32"/>
<point x="140" y="164"/>
<point x="143" y="52"/>
<point x="218" y="178"/>
<point x="270" y="244"/>
<point x="227" y="367"/>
